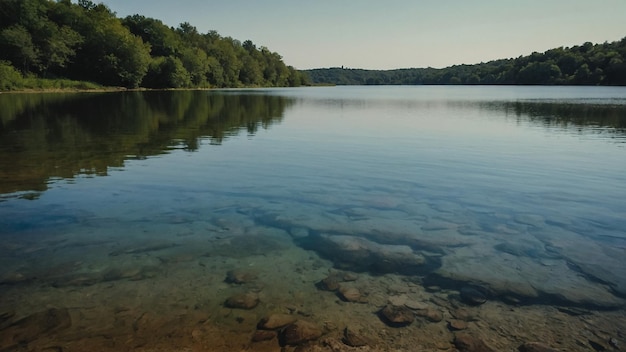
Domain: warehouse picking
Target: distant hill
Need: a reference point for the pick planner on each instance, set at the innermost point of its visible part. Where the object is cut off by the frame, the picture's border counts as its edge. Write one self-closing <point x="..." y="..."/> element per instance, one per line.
<point x="586" y="64"/>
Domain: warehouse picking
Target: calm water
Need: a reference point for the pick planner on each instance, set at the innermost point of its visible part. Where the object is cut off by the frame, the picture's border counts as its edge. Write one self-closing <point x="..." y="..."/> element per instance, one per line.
<point x="518" y="193"/>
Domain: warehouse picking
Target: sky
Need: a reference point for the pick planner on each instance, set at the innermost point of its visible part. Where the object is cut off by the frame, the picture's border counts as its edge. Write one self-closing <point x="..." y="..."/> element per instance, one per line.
<point x="389" y="34"/>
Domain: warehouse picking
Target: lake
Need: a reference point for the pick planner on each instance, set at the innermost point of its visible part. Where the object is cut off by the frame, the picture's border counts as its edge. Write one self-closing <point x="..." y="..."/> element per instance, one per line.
<point x="398" y="217"/>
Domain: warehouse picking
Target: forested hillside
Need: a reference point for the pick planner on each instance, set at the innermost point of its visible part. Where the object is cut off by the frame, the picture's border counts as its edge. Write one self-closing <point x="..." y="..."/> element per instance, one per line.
<point x="46" y="40"/>
<point x="587" y="64"/>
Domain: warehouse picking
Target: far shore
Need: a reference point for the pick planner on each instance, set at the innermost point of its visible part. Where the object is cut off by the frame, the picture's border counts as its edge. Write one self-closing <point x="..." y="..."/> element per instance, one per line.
<point x="94" y="90"/>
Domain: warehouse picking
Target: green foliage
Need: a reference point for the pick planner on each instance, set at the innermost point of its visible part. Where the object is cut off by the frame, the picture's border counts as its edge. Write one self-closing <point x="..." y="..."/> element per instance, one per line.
<point x="167" y="72"/>
<point x="588" y="64"/>
<point x="17" y="44"/>
<point x="84" y="40"/>
<point x="10" y="78"/>
<point x="539" y="73"/>
<point x="162" y="39"/>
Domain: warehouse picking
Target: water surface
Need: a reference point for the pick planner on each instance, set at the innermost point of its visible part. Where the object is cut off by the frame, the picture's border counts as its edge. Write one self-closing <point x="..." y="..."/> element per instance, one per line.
<point x="129" y="209"/>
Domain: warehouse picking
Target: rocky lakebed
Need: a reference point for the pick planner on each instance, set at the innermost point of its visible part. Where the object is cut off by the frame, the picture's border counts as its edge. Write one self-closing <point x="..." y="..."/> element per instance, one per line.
<point x="254" y="278"/>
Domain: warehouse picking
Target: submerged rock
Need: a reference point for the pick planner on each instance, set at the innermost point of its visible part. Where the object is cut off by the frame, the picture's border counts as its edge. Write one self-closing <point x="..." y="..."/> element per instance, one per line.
<point x="360" y="254"/>
<point x="264" y="335"/>
<point x="431" y="314"/>
<point x="536" y="347"/>
<point x="463" y="314"/>
<point x="354" y="339"/>
<point x="330" y="283"/>
<point x="243" y="301"/>
<point x="468" y="343"/>
<point x="396" y="316"/>
<point x="239" y="276"/>
<point x="472" y="296"/>
<point x="456" y="324"/>
<point x="276" y="321"/>
<point x="350" y="294"/>
<point x="299" y="332"/>
<point x="528" y="280"/>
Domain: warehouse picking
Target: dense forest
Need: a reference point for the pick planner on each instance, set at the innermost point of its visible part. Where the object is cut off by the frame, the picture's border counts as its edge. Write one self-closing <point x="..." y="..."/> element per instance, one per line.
<point x="586" y="64"/>
<point x="52" y="41"/>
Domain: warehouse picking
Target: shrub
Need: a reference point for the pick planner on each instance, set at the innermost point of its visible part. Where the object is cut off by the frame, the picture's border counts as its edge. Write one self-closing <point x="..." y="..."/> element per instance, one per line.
<point x="10" y="78"/>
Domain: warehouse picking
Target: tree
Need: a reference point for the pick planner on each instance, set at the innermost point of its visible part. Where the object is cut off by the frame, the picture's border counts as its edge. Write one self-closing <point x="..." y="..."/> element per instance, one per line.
<point x="111" y="54"/>
<point x="225" y="53"/>
<point x="196" y="62"/>
<point x="583" y="75"/>
<point x="162" y="39"/>
<point x="250" y="73"/>
<point x="17" y="46"/>
<point x="215" y="73"/>
<point x="539" y="73"/>
<point x="84" y="40"/>
<point x="10" y="78"/>
<point x="59" y="48"/>
<point x="616" y="72"/>
<point x="166" y="72"/>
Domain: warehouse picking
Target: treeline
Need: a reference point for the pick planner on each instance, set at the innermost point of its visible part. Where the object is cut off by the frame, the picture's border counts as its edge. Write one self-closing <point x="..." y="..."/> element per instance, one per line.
<point x="587" y="64"/>
<point x="87" y="42"/>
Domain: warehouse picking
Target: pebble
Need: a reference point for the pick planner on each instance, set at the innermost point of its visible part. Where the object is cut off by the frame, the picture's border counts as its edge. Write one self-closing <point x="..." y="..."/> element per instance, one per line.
<point x="242" y="301"/>
<point x="350" y="294"/>
<point x="239" y="276"/>
<point x="472" y="296"/>
<point x="431" y="314"/>
<point x="397" y="316"/>
<point x="397" y="300"/>
<point x="463" y="314"/>
<point x="412" y="304"/>
<point x="299" y="332"/>
<point x="263" y="335"/>
<point x="276" y="321"/>
<point x="354" y="339"/>
<point x="331" y="283"/>
<point x="456" y="325"/>
<point x="468" y="343"/>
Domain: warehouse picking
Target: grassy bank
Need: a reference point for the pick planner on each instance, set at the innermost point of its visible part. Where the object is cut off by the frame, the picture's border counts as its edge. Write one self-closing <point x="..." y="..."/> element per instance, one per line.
<point x="11" y="80"/>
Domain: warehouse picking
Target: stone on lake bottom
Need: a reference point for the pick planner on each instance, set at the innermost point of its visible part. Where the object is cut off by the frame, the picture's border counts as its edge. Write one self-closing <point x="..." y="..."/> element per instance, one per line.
<point x="456" y="324"/>
<point x="354" y="339"/>
<point x="350" y="294"/>
<point x="468" y="343"/>
<point x="299" y="332"/>
<point x="239" y="276"/>
<point x="472" y="296"/>
<point x="431" y="314"/>
<point x="264" y="335"/>
<point x="330" y="283"/>
<point x="242" y="301"/>
<point x="397" y="316"/>
<point x="276" y="321"/>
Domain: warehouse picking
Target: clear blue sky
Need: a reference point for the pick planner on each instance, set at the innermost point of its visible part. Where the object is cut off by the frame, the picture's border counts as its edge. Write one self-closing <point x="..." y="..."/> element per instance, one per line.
<point x="387" y="34"/>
